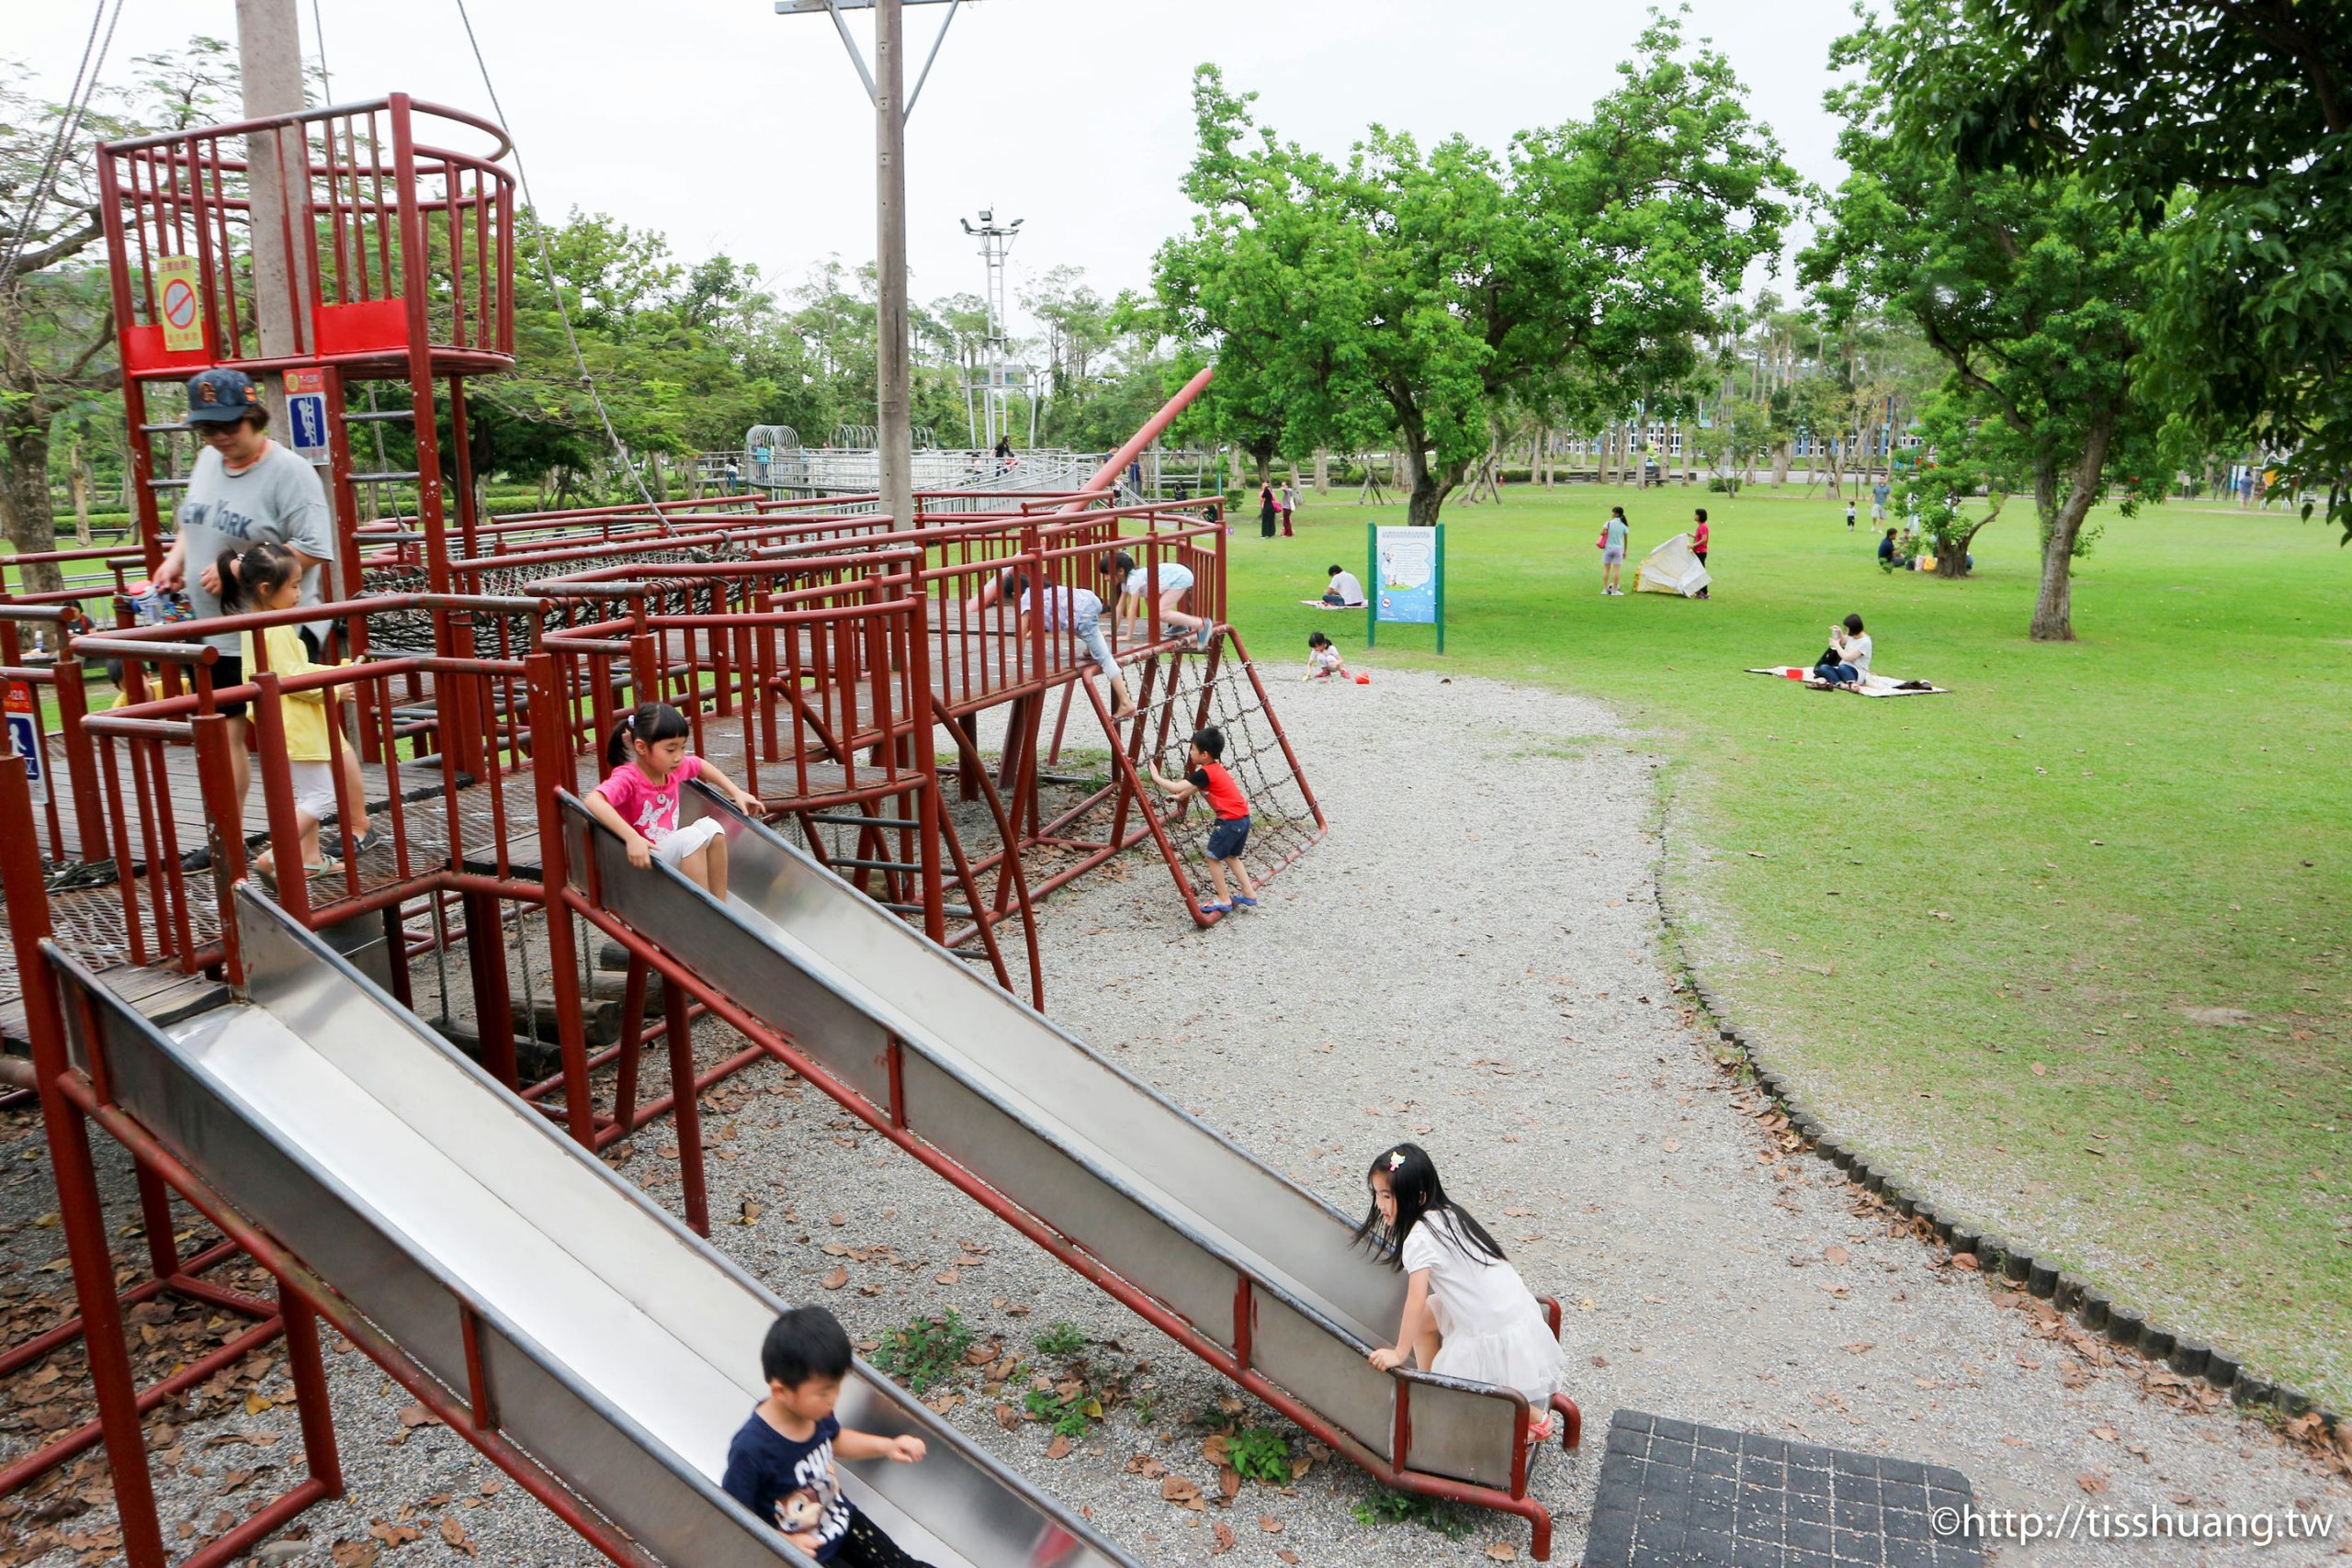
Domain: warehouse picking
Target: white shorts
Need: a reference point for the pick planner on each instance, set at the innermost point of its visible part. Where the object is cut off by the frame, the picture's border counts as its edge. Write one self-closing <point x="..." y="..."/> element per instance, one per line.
<point x="313" y="789"/>
<point x="1878" y="512"/>
<point x="687" y="840"/>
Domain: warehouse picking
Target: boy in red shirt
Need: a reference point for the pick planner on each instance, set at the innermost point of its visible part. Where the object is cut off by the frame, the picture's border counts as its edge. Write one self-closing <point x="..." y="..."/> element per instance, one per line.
<point x="1204" y="775"/>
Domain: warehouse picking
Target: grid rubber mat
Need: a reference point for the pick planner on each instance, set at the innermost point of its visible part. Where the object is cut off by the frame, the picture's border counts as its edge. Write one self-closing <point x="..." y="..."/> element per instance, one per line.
<point x="1676" y="1494"/>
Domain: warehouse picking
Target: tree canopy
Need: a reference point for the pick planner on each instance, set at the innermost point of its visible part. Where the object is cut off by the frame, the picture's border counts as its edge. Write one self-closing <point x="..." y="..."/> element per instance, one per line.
<point x="2034" y="289"/>
<point x="2226" y="127"/>
<point x="1411" y="293"/>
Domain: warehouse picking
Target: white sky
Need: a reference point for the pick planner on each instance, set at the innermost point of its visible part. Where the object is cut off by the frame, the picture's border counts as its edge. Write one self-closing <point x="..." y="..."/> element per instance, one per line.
<point x="730" y="127"/>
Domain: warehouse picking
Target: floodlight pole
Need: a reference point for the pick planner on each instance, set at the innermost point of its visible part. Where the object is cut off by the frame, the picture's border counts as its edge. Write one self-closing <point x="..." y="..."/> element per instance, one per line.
<point x="886" y="84"/>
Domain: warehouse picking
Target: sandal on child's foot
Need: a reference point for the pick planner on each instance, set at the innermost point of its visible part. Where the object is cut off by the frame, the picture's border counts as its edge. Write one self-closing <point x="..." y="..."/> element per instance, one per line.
<point x="1244" y="902"/>
<point x="1216" y="908"/>
<point x="1539" y="1430"/>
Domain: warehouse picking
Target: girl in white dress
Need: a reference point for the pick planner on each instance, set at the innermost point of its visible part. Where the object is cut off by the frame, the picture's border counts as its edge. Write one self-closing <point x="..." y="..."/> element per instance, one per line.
<point x="1467" y="1313"/>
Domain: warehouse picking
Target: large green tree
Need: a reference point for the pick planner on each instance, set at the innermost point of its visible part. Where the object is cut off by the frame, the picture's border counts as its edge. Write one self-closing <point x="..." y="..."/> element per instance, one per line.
<point x="2033" y="290"/>
<point x="1421" y="290"/>
<point x="2226" y="125"/>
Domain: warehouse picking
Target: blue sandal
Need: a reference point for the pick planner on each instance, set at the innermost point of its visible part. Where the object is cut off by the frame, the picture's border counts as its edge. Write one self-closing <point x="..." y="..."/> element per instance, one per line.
<point x="1216" y="908"/>
<point x="1245" y="903"/>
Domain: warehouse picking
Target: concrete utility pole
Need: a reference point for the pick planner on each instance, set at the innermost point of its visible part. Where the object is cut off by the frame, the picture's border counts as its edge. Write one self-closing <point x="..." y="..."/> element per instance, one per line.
<point x="269" y="61"/>
<point x="886" y="84"/>
<point x="893" y="418"/>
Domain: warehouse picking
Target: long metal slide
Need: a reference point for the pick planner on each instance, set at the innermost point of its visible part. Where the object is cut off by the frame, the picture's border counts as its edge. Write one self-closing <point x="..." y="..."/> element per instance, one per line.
<point x="1226" y="1254"/>
<point x="574" y="1320"/>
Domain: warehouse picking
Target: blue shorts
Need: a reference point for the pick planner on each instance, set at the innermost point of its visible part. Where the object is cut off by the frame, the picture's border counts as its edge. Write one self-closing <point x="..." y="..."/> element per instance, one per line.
<point x="1227" y="837"/>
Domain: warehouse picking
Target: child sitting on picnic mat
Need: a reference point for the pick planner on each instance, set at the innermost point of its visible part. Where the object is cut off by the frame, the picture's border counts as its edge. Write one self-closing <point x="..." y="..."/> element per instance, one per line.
<point x="1205" y="776"/>
<point x="1467" y="1313"/>
<point x="269" y="576"/>
<point x="639" y="799"/>
<point x="780" y="1465"/>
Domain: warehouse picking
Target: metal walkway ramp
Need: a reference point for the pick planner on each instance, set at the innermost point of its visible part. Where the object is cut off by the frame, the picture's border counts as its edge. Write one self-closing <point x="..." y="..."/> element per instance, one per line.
<point x="577" y="1320"/>
<point x="1246" y="1269"/>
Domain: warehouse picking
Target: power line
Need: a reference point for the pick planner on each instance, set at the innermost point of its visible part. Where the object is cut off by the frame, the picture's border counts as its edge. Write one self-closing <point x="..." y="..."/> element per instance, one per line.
<point x="547" y="271"/>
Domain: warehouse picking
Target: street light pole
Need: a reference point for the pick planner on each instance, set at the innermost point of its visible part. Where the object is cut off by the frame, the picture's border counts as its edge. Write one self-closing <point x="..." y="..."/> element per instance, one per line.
<point x="886" y="84"/>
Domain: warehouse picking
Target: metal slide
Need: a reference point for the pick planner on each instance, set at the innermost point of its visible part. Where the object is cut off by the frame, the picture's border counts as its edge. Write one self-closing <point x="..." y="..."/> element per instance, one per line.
<point x="1244" y="1267"/>
<point x="616" y="1348"/>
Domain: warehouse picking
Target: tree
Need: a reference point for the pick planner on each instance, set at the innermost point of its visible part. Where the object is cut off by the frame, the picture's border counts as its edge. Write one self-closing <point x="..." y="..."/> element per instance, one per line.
<point x="1421" y="290"/>
<point x="2034" y="290"/>
<point x="1969" y="469"/>
<point x="57" y="331"/>
<point x="2225" y="127"/>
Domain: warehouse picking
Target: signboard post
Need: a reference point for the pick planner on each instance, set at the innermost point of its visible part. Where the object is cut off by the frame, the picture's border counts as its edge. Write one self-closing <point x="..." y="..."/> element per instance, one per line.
<point x="306" y="413"/>
<point x="24" y="739"/>
<point x="1406" y="566"/>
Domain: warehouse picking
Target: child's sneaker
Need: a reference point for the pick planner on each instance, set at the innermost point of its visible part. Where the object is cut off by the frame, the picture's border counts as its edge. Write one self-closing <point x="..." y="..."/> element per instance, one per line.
<point x="1206" y="635"/>
<point x="1243" y="902"/>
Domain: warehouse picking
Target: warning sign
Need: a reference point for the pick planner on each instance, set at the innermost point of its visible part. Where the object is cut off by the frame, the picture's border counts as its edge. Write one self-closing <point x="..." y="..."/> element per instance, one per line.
<point x="24" y="738"/>
<point x="178" y="304"/>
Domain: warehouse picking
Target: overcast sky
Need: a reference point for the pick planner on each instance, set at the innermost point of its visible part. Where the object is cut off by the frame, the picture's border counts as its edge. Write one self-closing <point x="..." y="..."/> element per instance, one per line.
<point x="729" y="128"/>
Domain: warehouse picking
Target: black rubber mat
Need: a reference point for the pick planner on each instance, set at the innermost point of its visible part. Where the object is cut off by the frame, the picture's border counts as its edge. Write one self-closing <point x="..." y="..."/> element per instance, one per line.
<point x="1676" y="1494"/>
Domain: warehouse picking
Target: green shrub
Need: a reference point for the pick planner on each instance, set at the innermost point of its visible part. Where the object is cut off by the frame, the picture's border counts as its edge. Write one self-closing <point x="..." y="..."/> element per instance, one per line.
<point x="1259" y="1454"/>
<point x="1062" y="1339"/>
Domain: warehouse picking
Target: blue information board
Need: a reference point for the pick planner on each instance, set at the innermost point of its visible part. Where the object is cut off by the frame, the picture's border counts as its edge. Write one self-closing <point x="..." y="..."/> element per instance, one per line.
<point x="24" y="739"/>
<point x="1405" y="573"/>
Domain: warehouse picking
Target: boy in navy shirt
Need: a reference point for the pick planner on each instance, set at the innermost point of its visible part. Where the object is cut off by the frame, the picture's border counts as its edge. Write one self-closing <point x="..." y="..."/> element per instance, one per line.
<point x="1205" y="776"/>
<point x="780" y="1465"/>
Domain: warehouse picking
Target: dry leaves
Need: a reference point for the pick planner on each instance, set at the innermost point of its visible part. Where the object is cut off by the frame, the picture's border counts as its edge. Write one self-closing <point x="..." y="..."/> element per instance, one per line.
<point x="835" y="1279"/>
<point x="1224" y="1542"/>
<point x="455" y="1534"/>
<point x="1503" y="1552"/>
<point x="1059" y="1447"/>
<point x="1834" y="1253"/>
<point x="1183" y="1493"/>
<point x="2093" y="1483"/>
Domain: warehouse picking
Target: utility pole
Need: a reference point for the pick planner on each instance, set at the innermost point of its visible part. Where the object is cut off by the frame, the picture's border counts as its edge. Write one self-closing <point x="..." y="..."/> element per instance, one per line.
<point x="269" y="61"/>
<point x="893" y="421"/>
<point x="886" y="84"/>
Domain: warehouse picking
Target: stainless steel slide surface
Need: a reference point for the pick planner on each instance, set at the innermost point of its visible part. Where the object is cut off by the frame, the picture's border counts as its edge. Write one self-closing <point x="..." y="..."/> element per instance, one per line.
<point x="619" y="1349"/>
<point x="1251" y="1261"/>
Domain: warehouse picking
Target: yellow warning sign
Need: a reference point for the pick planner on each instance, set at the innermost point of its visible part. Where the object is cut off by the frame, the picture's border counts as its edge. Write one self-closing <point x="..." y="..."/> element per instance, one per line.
<point x="179" y="306"/>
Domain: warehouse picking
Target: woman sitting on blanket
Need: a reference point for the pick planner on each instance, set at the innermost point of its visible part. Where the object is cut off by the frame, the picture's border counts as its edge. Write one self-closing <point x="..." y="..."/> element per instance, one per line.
<point x="1847" y="660"/>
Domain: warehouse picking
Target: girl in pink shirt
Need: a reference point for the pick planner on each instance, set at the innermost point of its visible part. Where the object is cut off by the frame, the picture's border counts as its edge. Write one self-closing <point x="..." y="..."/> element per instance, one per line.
<point x="640" y="799"/>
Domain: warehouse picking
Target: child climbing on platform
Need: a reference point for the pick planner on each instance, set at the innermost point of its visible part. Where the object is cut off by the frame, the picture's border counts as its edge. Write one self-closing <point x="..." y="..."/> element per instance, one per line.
<point x="1140" y="587"/>
<point x="780" y="1464"/>
<point x="1323" y="662"/>
<point x="1204" y="775"/>
<point x="639" y="799"/>
<point x="1077" y="611"/>
<point x="1467" y="1313"/>
<point x="269" y="576"/>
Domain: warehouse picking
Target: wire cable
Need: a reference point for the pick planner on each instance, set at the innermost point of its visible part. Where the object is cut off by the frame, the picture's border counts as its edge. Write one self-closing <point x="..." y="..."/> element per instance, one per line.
<point x="77" y="106"/>
<point x="547" y="271"/>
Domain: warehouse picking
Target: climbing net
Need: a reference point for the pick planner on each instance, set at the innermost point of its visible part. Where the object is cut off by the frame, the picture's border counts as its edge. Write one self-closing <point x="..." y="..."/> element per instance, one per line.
<point x="1283" y="824"/>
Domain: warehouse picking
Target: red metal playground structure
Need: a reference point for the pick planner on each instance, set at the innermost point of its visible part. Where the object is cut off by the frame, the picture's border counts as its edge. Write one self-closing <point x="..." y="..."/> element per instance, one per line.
<point x="267" y="1061"/>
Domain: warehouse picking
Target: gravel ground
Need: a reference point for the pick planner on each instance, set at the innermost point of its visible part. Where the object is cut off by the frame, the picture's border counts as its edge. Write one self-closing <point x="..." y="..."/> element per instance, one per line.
<point x="1435" y="970"/>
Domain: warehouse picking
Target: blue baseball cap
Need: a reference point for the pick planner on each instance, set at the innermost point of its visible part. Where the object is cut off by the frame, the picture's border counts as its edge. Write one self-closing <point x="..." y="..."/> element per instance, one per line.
<point x="221" y="396"/>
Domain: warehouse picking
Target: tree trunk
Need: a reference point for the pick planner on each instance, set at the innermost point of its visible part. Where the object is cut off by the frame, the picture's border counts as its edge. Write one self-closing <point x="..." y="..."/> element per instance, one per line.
<point x="24" y="500"/>
<point x="2054" y="606"/>
<point x="1322" y="472"/>
<point x="1430" y="487"/>
<point x="1780" y="464"/>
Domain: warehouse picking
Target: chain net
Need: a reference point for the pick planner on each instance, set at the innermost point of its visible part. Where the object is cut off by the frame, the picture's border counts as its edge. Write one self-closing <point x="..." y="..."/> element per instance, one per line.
<point x="1282" y="824"/>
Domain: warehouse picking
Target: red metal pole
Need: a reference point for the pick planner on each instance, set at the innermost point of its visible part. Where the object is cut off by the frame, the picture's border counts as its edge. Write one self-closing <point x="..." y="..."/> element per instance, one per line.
<point x="78" y="1204"/>
<point x="550" y="751"/>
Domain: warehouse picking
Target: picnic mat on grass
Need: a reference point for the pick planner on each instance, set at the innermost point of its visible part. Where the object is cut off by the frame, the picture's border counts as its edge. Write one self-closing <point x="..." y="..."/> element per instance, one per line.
<point x="1872" y="685"/>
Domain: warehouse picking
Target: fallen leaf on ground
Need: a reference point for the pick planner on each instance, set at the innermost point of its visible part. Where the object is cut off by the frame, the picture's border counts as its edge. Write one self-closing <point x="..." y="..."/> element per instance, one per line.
<point x="1834" y="1254"/>
<point x="1503" y="1552"/>
<point x="2093" y="1483"/>
<point x="1269" y="1524"/>
<point x="1223" y="1538"/>
<point x="835" y="1279"/>
<point x="455" y="1534"/>
<point x="1059" y="1447"/>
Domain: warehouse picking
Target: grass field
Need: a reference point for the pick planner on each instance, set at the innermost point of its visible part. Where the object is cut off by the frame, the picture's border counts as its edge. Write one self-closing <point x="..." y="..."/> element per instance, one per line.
<point x="2068" y="946"/>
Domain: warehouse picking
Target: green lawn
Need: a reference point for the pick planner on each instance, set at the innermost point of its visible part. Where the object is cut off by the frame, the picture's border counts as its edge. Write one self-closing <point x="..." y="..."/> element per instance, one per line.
<point x="2069" y="946"/>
